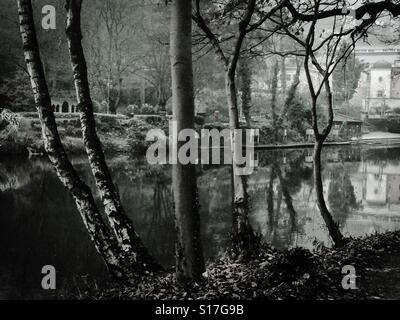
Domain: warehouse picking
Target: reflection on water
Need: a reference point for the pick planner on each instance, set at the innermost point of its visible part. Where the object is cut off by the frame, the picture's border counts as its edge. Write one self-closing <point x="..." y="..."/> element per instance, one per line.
<point x="39" y="224"/>
<point x="361" y="186"/>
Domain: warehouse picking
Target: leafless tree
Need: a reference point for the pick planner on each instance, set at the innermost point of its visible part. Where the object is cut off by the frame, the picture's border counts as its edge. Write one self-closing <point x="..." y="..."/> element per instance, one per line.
<point x="116" y="60"/>
<point x="244" y="19"/>
<point x="320" y="50"/>
<point x="155" y="64"/>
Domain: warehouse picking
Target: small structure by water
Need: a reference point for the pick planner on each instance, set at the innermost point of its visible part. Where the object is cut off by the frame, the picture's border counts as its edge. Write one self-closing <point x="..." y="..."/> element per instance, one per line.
<point x="345" y="127"/>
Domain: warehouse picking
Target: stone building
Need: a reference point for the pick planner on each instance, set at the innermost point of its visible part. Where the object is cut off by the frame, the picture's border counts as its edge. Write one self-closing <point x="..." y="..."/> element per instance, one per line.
<point x="380" y="80"/>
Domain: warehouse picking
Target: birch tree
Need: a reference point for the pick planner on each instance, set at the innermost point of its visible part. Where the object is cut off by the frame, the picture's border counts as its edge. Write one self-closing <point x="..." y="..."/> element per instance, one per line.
<point x="68" y="176"/>
<point x="123" y="264"/>
<point x="245" y="74"/>
<point x="119" y="221"/>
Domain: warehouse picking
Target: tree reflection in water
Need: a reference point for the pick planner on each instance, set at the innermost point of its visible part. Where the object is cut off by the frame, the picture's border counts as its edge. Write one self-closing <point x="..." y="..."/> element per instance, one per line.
<point x="283" y="222"/>
<point x="341" y="196"/>
<point x="160" y="222"/>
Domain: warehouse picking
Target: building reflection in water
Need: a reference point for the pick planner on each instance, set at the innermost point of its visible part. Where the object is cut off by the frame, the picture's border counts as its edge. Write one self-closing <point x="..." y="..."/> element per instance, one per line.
<point x="361" y="186"/>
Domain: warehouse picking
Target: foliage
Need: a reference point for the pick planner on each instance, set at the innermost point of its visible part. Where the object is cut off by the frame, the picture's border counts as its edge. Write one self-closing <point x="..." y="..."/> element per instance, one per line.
<point x="136" y="131"/>
<point x="210" y="100"/>
<point x="298" y="116"/>
<point x="346" y="77"/>
<point x="15" y="92"/>
<point x="142" y="109"/>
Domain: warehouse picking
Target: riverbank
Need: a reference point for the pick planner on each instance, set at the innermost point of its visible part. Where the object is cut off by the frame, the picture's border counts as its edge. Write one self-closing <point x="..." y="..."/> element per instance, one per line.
<point x="118" y="134"/>
<point x="122" y="135"/>
<point x="289" y="274"/>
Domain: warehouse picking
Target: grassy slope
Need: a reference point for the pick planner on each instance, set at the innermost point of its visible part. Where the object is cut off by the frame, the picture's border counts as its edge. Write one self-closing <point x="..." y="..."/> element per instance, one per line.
<point x="118" y="135"/>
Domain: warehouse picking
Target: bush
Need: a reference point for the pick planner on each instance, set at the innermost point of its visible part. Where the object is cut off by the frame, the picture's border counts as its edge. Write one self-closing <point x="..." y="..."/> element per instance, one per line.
<point x="266" y="134"/>
<point x="108" y="124"/>
<point x="143" y="109"/>
<point x="3" y="125"/>
<point x="396" y="110"/>
<point x="71" y="131"/>
<point x="199" y="120"/>
<point x="138" y="145"/>
<point x="137" y="131"/>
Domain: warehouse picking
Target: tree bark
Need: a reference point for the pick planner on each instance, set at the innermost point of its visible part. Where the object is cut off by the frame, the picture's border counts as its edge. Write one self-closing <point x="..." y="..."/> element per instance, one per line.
<point x="274" y="92"/>
<point x="270" y="203"/>
<point x="132" y="246"/>
<point x="242" y="234"/>
<point x="98" y="231"/>
<point x="161" y="99"/>
<point x="189" y="253"/>
<point x="119" y="94"/>
<point x="283" y="79"/>
<point x="333" y="228"/>
<point x="245" y="81"/>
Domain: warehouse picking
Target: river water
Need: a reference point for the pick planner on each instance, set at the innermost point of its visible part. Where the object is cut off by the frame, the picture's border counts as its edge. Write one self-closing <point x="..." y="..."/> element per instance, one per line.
<point x="39" y="224"/>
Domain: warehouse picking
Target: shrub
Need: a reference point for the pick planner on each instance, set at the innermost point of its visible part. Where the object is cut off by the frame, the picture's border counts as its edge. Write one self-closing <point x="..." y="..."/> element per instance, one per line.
<point x="148" y="109"/>
<point x="3" y="125"/>
<point x="199" y="120"/>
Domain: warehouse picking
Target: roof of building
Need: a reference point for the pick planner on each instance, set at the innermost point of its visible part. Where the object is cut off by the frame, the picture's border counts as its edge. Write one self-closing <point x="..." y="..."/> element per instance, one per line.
<point x="382" y="64"/>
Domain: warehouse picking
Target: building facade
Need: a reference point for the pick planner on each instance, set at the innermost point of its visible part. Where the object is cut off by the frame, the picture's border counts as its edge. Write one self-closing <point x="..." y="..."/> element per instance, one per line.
<point x="380" y="80"/>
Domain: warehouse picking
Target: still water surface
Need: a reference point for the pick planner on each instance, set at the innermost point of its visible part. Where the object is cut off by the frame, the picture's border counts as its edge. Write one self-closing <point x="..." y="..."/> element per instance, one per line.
<point x="39" y="224"/>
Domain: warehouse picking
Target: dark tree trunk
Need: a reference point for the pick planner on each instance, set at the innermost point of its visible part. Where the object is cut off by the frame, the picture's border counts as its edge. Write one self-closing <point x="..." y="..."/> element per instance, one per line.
<point x="162" y="102"/>
<point x="119" y="95"/>
<point x="274" y="92"/>
<point x="189" y="253"/>
<point x="333" y="228"/>
<point x="243" y="237"/>
<point x="270" y="204"/>
<point x="131" y="244"/>
<point x="112" y="108"/>
<point x="283" y="79"/>
<point x="288" y="200"/>
<point x="245" y="84"/>
<point x="98" y="231"/>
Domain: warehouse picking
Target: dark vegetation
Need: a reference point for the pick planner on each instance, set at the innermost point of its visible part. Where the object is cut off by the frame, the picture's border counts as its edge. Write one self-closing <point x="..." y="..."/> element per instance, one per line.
<point x="118" y="135"/>
<point x="273" y="274"/>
